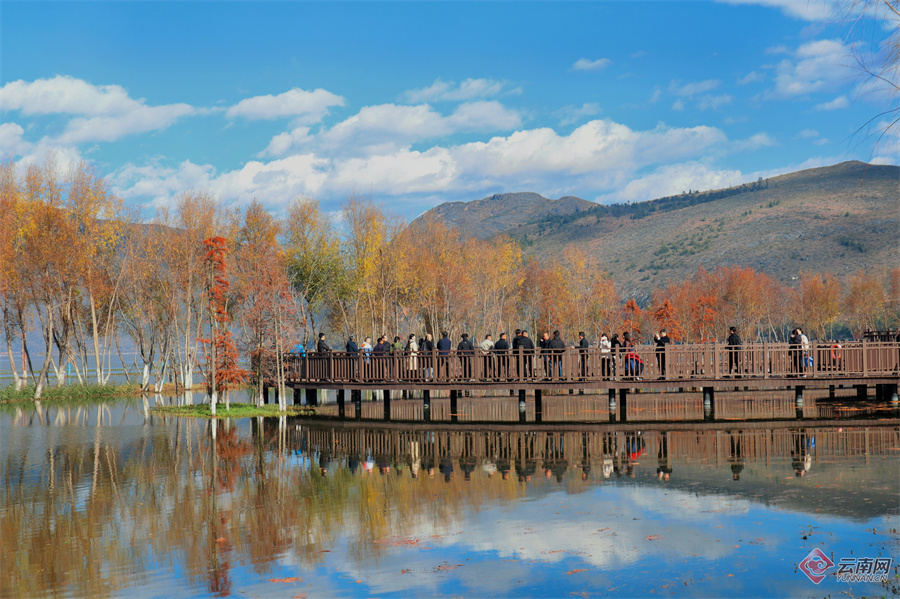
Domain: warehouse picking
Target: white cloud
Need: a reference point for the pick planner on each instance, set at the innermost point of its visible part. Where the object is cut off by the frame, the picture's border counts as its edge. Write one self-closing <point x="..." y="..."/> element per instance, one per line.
<point x="754" y="142"/>
<point x="598" y="154"/>
<point x="11" y="140"/>
<point x="808" y="134"/>
<point x="838" y="103"/>
<point x="586" y="64"/>
<point x="822" y="141"/>
<point x="106" y="112"/>
<point x="283" y="142"/>
<point x="689" y="90"/>
<point x="818" y="66"/>
<point x="383" y="128"/>
<point x="751" y="77"/>
<point x="569" y="115"/>
<point x="807" y="10"/>
<point x="710" y="102"/>
<point x="449" y="91"/>
<point x="678" y="105"/>
<point x="671" y="180"/>
<point x="308" y="106"/>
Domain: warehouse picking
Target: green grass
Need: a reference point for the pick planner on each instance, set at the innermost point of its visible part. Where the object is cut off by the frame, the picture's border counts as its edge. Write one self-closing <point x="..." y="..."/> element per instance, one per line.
<point x="68" y="393"/>
<point x="238" y="410"/>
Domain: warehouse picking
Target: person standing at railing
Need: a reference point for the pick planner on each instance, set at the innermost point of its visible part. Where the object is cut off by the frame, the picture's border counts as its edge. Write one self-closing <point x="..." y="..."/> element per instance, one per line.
<point x="466" y="352"/>
<point x="557" y="348"/>
<point x="526" y="345"/>
<point x="426" y="347"/>
<point x="661" y="339"/>
<point x="794" y="351"/>
<point x="502" y="348"/>
<point x="444" y="345"/>
<point x="351" y="346"/>
<point x="413" y="348"/>
<point x="616" y="346"/>
<point x="804" y="346"/>
<point x="583" y="347"/>
<point x="733" y="346"/>
<point x="605" y="359"/>
<point x="487" y="346"/>
<point x="322" y="346"/>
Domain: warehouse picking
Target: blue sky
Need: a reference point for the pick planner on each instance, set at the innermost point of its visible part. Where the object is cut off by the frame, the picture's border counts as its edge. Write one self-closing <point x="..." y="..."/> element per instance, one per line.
<point x="417" y="103"/>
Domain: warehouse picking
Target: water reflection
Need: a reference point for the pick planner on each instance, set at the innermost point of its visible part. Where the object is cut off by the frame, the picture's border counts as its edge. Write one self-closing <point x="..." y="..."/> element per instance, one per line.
<point x="101" y="499"/>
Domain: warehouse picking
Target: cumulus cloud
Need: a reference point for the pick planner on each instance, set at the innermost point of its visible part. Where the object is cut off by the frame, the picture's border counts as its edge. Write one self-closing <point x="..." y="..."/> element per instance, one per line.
<point x="569" y="115"/>
<point x="309" y="106"/>
<point x="711" y="102"/>
<point x="754" y="142"/>
<point x="11" y="140"/>
<point x="586" y="64"/>
<point x="751" y="77"/>
<point x="689" y="90"/>
<point x="598" y="154"/>
<point x="106" y="112"/>
<point x="671" y="180"/>
<point x="807" y="10"/>
<point x="838" y="103"/>
<point x="815" y="67"/>
<point x="450" y="91"/>
<point x="385" y="127"/>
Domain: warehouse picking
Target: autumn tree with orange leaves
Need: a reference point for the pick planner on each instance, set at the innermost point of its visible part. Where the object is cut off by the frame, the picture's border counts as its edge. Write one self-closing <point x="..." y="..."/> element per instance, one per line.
<point x="222" y="369"/>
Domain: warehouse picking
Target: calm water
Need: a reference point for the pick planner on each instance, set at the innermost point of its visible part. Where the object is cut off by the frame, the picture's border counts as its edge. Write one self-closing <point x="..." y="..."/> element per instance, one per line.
<point x="113" y="501"/>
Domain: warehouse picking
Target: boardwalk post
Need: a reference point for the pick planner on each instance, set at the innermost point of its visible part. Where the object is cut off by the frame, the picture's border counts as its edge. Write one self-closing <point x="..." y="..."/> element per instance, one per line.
<point x="340" y="403"/>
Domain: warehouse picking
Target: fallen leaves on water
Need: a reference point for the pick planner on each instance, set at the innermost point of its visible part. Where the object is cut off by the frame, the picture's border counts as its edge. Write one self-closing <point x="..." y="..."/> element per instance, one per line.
<point x="290" y="580"/>
<point x="399" y="542"/>
<point x="446" y="567"/>
<point x="404" y="571"/>
<point x="570" y="572"/>
<point x="653" y="538"/>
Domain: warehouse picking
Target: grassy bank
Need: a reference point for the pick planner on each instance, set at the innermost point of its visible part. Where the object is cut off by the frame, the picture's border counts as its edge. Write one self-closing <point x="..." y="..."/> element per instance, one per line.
<point x="238" y="410"/>
<point x="68" y="393"/>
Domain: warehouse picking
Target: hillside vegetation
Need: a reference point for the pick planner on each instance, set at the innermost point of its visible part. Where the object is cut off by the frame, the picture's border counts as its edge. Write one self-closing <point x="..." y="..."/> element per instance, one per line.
<point x="838" y="219"/>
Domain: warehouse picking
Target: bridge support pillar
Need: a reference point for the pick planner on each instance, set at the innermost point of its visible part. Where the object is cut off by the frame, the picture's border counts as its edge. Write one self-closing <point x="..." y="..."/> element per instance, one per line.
<point x="454" y="405"/>
<point x="340" y="403"/>
<point x="798" y="394"/>
<point x="312" y="398"/>
<point x="387" y="404"/>
<point x="709" y="403"/>
<point x="830" y="391"/>
<point x="356" y="395"/>
<point x="623" y="405"/>
<point x="862" y="391"/>
<point x="538" y="406"/>
<point x="426" y="405"/>
<point x="298" y="397"/>
<point x="892" y="391"/>
<point x="522" y="407"/>
<point x="265" y="394"/>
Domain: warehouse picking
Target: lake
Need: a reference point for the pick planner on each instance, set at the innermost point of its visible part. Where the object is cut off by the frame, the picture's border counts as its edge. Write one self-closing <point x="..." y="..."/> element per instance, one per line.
<point x="112" y="500"/>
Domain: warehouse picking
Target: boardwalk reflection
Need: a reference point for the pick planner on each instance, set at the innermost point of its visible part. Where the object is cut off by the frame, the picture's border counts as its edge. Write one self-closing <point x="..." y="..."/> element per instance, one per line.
<point x="650" y="407"/>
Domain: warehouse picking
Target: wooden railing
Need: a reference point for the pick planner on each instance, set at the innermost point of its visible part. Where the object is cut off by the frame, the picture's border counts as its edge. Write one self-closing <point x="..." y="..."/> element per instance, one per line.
<point x="695" y="362"/>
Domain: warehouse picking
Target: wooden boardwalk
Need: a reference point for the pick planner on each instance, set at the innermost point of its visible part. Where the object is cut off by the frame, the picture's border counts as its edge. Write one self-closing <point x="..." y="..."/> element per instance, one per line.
<point x="708" y="366"/>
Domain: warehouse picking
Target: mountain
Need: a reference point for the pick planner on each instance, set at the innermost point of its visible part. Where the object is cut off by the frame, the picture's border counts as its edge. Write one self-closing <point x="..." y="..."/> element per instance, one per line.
<point x="503" y="211"/>
<point x="839" y="219"/>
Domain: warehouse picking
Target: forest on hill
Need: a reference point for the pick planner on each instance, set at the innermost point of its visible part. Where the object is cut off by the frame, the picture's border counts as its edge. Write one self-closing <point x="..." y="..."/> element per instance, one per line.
<point x="223" y="290"/>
